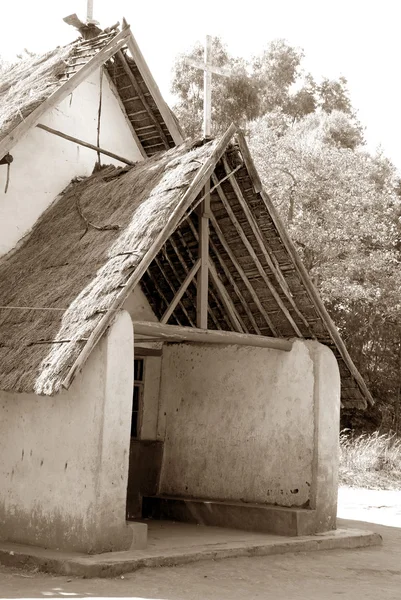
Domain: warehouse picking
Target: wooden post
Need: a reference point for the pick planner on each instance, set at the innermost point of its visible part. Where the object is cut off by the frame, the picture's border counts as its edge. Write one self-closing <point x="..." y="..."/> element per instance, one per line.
<point x="207" y="86"/>
<point x="203" y="273"/>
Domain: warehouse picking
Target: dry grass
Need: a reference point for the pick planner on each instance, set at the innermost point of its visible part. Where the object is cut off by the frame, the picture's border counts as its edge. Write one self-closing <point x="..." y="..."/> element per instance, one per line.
<point x="371" y="461"/>
<point x="27" y="83"/>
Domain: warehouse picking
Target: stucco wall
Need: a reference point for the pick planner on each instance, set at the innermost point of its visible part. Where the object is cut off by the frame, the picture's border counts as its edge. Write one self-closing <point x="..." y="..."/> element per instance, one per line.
<point x="45" y="164"/>
<point x="64" y="460"/>
<point x="238" y="423"/>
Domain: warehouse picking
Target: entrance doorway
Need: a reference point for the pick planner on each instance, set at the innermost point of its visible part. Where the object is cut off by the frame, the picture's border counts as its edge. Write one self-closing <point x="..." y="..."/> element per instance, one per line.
<point x="145" y="454"/>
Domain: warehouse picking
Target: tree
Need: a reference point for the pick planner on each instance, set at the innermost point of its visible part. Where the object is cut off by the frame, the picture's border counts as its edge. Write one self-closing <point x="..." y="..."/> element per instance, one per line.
<point x="273" y="81"/>
<point x="342" y="207"/>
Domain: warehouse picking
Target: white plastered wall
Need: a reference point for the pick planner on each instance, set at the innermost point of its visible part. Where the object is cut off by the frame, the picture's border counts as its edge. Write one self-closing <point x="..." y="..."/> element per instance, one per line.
<point x="64" y="460"/>
<point x="45" y="164"/>
<point x="244" y="424"/>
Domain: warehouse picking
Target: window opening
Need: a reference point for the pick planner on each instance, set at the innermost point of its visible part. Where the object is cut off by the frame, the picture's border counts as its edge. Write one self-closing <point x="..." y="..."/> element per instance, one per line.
<point x="137" y="400"/>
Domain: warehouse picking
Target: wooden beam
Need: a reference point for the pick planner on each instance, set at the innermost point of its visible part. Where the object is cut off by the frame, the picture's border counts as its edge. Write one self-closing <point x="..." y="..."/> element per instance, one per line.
<point x="181" y="292"/>
<point x="271" y="260"/>
<point x="231" y="280"/>
<point x="242" y="274"/>
<point x="70" y="138"/>
<point x="184" y="310"/>
<point x="256" y="260"/>
<point x="117" y="96"/>
<point x="203" y="275"/>
<point x="186" y="269"/>
<point x="167" y="115"/>
<point x="141" y="95"/>
<point x="225" y="298"/>
<point x="191" y="334"/>
<point x="250" y="166"/>
<point x="14" y="136"/>
<point x="181" y="207"/>
<point x="161" y="293"/>
<point x="177" y="276"/>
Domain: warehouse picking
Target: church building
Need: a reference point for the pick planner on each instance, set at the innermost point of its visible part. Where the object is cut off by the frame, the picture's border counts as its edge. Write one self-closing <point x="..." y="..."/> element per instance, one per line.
<point x="163" y="351"/>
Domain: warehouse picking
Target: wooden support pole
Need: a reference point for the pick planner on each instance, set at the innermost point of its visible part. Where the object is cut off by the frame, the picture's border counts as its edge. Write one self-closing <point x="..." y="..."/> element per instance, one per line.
<point x="256" y="260"/>
<point x="231" y="280"/>
<point x="164" y="332"/>
<point x="186" y="269"/>
<point x="203" y="275"/>
<point x="70" y="138"/>
<point x="181" y="292"/>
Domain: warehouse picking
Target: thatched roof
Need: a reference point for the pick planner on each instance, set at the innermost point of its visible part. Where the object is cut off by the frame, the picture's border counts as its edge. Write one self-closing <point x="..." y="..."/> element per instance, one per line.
<point x="27" y="84"/>
<point x="35" y="84"/>
<point x="145" y="230"/>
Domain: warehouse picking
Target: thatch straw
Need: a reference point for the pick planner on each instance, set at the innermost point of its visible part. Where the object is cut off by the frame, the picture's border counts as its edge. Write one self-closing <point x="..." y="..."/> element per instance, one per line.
<point x="65" y="265"/>
<point x="27" y="83"/>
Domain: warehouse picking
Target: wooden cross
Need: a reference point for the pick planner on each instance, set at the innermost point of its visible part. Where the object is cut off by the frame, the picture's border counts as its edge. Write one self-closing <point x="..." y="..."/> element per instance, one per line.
<point x="207" y="69"/>
<point x="89" y="11"/>
<point x="204" y="209"/>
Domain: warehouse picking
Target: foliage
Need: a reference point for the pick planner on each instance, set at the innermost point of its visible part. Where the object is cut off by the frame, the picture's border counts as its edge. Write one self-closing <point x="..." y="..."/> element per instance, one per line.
<point x="274" y="80"/>
<point x="370" y="460"/>
<point x="341" y="204"/>
<point x="342" y="207"/>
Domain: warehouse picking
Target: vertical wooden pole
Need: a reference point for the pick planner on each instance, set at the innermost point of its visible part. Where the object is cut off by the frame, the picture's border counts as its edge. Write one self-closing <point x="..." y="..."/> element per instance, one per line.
<point x="203" y="273"/>
<point x="207" y="87"/>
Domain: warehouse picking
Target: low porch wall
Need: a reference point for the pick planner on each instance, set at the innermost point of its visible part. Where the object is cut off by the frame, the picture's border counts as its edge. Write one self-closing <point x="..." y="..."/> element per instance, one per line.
<point x="251" y="425"/>
<point x="64" y="460"/>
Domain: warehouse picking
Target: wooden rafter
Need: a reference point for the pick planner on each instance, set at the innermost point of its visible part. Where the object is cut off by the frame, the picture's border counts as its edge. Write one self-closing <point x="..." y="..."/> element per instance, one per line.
<point x="177" y="275"/>
<point x="231" y="280"/>
<point x="242" y="274"/>
<point x="228" y="304"/>
<point x="141" y="95"/>
<point x="184" y="310"/>
<point x="270" y="259"/>
<point x="167" y="115"/>
<point x="256" y="260"/>
<point x="161" y="293"/>
<point x="210" y="290"/>
<point x="117" y="96"/>
<point x="186" y="269"/>
<point x="179" y="294"/>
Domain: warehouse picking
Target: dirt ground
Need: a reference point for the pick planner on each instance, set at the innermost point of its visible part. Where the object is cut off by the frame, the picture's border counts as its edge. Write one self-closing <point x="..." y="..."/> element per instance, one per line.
<point x="366" y="574"/>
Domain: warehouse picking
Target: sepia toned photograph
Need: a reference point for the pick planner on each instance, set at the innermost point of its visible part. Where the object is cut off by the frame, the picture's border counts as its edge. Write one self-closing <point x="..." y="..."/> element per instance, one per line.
<point x="200" y="300"/>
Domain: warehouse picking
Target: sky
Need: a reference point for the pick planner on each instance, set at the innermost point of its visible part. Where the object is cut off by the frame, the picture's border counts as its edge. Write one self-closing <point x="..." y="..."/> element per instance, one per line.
<point x="357" y="39"/>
